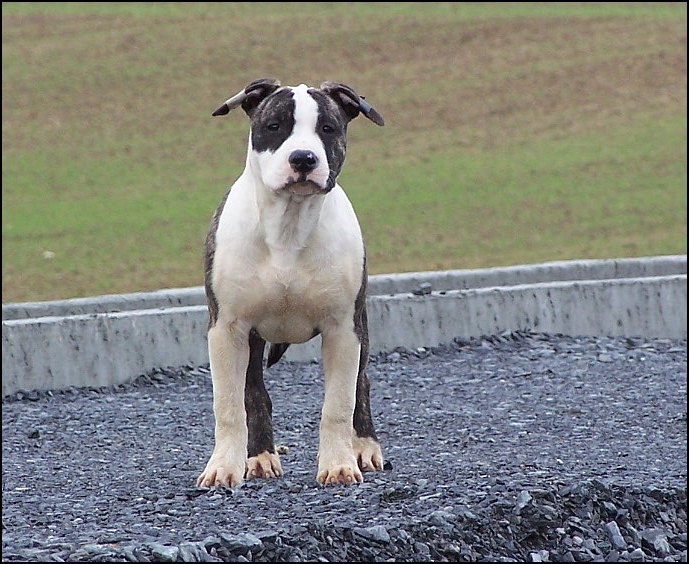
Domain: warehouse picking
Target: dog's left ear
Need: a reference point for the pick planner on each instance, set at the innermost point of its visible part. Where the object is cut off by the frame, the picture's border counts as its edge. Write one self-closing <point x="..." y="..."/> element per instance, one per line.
<point x="351" y="102"/>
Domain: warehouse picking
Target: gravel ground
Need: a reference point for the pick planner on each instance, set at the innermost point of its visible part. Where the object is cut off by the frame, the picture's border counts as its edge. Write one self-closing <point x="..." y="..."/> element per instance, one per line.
<point x="513" y="448"/>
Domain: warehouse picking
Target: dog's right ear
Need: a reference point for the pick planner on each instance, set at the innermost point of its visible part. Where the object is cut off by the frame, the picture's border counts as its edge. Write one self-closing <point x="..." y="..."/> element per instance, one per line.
<point x="249" y="98"/>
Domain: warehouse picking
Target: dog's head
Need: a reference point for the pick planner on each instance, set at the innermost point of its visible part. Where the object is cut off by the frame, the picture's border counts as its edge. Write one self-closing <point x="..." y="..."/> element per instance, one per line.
<point x="298" y="134"/>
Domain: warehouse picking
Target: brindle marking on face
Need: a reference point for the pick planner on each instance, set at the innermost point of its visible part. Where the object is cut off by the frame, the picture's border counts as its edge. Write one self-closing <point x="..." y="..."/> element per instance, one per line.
<point x="273" y="121"/>
<point x="332" y="130"/>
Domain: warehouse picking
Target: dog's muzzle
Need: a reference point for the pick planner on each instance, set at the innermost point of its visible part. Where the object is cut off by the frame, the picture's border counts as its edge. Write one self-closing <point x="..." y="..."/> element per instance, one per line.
<point x="303" y="162"/>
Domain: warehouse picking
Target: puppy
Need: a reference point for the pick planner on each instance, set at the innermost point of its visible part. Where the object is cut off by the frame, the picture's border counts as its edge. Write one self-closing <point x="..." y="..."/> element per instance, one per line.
<point x="284" y="262"/>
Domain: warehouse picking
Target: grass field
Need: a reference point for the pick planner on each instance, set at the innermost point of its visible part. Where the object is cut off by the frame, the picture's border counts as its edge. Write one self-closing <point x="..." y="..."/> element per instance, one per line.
<point x="515" y="132"/>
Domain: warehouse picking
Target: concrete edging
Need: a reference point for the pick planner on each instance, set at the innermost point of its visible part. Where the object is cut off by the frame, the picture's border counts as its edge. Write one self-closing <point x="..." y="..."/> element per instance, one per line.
<point x="111" y="339"/>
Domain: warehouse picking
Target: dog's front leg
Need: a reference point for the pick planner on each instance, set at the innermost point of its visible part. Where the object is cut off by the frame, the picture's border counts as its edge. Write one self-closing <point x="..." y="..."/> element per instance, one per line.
<point x="228" y="348"/>
<point x="337" y="461"/>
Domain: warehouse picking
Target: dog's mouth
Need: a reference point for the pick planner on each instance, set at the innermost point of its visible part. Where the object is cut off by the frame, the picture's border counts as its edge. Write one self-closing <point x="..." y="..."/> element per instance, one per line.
<point x="303" y="188"/>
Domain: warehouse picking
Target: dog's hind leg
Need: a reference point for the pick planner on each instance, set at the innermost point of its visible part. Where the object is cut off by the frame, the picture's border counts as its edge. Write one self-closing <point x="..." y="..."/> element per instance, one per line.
<point x="365" y="441"/>
<point x="263" y="461"/>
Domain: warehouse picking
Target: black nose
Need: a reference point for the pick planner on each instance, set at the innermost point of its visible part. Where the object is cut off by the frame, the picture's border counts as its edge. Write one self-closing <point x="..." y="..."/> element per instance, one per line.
<point x="303" y="161"/>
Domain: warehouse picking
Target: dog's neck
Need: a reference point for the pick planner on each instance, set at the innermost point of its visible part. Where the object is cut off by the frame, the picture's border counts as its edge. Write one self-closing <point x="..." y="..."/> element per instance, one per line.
<point x="287" y="220"/>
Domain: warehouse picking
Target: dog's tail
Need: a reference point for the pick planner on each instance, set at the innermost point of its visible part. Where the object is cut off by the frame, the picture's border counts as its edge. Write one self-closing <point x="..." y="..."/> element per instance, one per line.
<point x="275" y="352"/>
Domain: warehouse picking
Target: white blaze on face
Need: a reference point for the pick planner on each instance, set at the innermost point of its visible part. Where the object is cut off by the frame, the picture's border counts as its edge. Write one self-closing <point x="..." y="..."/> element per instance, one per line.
<point x="274" y="167"/>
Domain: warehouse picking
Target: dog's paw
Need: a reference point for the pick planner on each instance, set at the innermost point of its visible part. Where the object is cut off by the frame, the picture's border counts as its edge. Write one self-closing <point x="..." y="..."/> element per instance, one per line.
<point x="218" y="474"/>
<point x="339" y="474"/>
<point x="368" y="454"/>
<point x="265" y="465"/>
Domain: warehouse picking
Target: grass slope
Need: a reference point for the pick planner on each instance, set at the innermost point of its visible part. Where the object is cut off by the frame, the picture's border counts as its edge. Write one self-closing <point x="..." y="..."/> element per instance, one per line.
<point x="515" y="132"/>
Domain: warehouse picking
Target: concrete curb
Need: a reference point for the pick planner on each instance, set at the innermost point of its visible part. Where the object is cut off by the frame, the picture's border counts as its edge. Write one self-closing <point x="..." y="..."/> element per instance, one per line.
<point x="111" y="339"/>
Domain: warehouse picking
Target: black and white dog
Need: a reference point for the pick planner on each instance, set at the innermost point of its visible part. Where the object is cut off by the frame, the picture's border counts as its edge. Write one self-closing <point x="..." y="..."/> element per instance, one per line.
<point x="285" y="261"/>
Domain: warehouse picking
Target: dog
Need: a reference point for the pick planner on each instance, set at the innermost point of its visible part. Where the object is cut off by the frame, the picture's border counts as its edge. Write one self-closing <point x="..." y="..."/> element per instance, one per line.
<point x="285" y="261"/>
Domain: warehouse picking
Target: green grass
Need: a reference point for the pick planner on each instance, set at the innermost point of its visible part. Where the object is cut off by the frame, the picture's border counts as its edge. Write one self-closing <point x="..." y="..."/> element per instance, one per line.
<point x="543" y="201"/>
<point x="515" y="132"/>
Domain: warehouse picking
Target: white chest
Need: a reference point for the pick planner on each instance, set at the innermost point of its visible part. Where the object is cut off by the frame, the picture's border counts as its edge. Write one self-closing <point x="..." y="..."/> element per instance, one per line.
<point x="287" y="268"/>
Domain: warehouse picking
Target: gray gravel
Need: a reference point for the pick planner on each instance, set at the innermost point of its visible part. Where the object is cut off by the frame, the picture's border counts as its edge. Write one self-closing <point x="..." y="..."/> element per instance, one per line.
<point x="512" y="448"/>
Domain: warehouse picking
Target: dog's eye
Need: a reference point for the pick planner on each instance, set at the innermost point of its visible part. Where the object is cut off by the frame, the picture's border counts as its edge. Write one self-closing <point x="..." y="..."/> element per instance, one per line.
<point x="327" y="128"/>
<point x="274" y="126"/>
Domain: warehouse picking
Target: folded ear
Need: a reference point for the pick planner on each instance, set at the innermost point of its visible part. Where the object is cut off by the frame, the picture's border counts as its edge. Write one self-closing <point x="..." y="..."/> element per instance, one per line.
<point x="254" y="93"/>
<point x="351" y="102"/>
